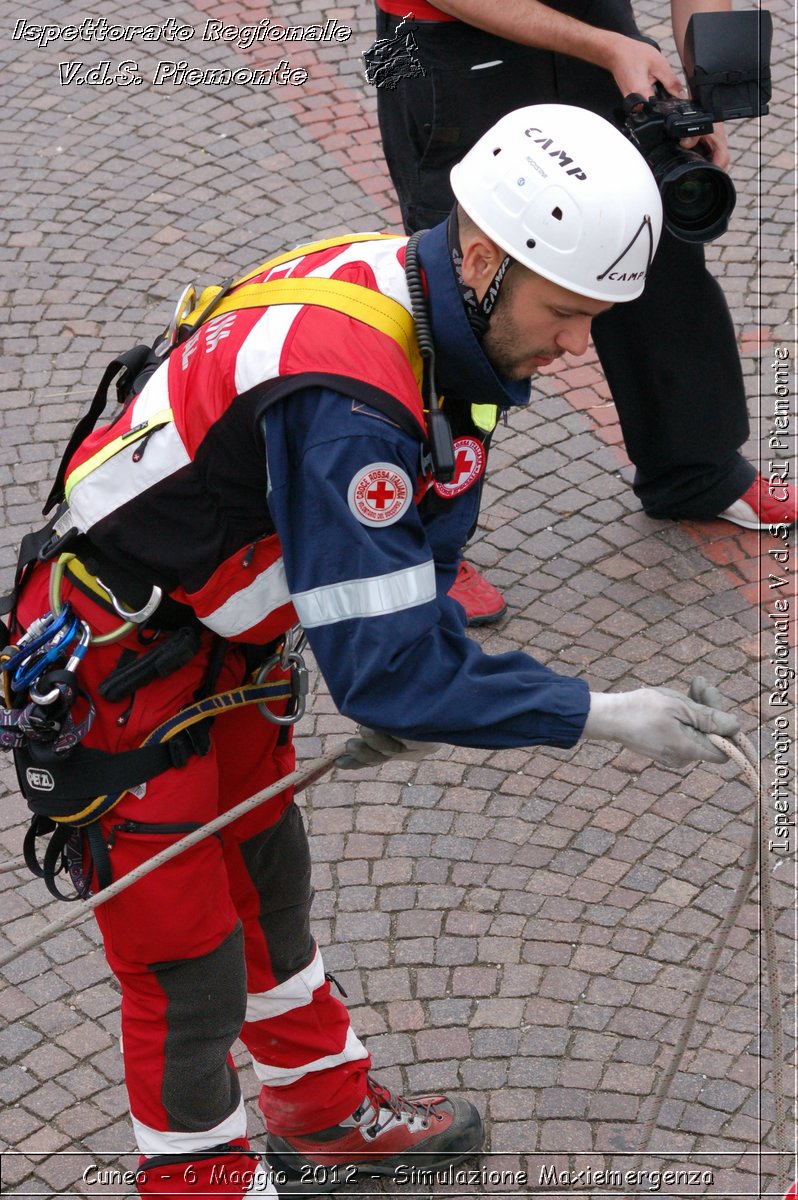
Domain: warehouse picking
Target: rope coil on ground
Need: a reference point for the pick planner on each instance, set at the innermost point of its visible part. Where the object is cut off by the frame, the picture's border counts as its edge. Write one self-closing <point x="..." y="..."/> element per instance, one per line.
<point x="742" y="753"/>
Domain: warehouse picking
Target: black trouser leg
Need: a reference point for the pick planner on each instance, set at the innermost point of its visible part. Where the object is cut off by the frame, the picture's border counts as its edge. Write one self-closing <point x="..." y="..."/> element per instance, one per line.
<point x="670" y="357"/>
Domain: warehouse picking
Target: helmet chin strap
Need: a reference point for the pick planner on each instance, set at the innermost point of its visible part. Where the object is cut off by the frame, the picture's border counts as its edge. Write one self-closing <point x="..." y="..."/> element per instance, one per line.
<point x="478" y="312"/>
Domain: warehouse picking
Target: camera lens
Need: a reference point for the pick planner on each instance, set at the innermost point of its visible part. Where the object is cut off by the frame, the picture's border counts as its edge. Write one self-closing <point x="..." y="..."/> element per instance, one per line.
<point x="698" y="201"/>
<point x="697" y="197"/>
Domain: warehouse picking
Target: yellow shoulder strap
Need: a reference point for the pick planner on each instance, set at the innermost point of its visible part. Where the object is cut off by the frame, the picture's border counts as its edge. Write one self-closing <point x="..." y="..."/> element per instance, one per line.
<point x="314" y="248"/>
<point x="298" y="252"/>
<point x="351" y="299"/>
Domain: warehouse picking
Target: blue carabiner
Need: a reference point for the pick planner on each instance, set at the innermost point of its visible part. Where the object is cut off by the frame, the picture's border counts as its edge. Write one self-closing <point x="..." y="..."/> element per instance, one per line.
<point x="27" y="649"/>
<point x="25" y="676"/>
<point x="83" y="643"/>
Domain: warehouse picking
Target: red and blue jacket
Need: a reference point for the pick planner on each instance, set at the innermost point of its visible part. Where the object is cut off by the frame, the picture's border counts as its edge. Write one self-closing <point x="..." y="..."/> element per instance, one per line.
<point x="275" y="468"/>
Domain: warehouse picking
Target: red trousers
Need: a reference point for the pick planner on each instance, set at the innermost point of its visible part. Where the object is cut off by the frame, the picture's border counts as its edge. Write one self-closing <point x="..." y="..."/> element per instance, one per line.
<point x="215" y="944"/>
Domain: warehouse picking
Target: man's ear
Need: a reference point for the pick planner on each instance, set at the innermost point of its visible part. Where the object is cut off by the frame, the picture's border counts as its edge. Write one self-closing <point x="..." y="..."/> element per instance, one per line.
<point x="481" y="260"/>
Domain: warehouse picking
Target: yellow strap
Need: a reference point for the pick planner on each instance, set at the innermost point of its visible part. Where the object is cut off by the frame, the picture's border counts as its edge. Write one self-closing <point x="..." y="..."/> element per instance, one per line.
<point x="164" y="417"/>
<point x="372" y="308"/>
<point x="280" y="260"/>
<point x="351" y="299"/>
<point x="314" y="248"/>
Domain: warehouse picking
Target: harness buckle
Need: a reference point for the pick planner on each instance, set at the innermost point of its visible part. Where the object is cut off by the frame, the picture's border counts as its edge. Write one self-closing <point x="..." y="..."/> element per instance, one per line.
<point x="195" y="739"/>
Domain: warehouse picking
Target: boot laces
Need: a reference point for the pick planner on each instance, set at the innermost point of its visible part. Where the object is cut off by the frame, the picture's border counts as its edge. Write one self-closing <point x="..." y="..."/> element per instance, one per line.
<point x="399" y="1108"/>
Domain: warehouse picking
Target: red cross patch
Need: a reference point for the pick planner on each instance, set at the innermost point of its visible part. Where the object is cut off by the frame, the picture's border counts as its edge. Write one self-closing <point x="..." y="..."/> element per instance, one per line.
<point x="379" y="494"/>
<point x="469" y="463"/>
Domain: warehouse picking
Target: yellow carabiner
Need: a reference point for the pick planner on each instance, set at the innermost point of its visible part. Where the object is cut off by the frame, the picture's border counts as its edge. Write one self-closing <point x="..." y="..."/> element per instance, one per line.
<point x="56" y="579"/>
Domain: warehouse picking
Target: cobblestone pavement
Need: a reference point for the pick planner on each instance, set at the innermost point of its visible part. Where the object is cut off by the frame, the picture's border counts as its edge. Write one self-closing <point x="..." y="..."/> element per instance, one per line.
<point x="524" y="927"/>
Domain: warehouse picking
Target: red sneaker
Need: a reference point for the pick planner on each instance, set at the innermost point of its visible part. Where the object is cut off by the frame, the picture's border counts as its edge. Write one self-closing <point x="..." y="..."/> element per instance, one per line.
<point x="480" y="599"/>
<point x="766" y="502"/>
<point x="386" y="1133"/>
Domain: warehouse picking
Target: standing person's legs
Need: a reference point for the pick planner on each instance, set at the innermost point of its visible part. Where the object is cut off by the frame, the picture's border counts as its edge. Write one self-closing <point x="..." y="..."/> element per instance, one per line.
<point x="670" y="357"/>
<point x="471" y="79"/>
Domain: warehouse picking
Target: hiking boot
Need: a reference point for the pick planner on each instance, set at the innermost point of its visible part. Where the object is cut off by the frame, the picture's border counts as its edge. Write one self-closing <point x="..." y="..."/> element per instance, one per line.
<point x="759" y="507"/>
<point x="480" y="599"/>
<point x="385" y="1133"/>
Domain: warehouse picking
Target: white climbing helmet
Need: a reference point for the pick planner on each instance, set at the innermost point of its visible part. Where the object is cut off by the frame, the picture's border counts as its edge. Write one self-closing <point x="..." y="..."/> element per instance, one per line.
<point x="564" y="193"/>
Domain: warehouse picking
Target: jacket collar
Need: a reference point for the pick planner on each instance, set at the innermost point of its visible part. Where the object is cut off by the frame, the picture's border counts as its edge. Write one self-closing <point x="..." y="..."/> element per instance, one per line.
<point x="461" y="367"/>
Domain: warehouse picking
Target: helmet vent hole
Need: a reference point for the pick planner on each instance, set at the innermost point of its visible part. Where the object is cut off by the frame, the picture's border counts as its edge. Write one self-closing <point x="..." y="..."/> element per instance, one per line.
<point x="557" y="214"/>
<point x="498" y="150"/>
<point x="530" y="243"/>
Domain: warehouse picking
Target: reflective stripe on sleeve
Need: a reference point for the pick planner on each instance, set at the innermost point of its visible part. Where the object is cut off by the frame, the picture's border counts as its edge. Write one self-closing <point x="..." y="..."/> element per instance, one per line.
<point x="376" y="597"/>
<point x="243" y="610"/>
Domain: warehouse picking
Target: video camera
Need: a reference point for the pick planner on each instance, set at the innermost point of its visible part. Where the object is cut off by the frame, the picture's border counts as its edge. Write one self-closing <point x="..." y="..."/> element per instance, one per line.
<point x="727" y="63"/>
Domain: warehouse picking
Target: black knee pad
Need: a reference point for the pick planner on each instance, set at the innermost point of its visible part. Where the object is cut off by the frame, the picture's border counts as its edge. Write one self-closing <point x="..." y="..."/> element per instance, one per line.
<point x="278" y="863"/>
<point x="206" y="1005"/>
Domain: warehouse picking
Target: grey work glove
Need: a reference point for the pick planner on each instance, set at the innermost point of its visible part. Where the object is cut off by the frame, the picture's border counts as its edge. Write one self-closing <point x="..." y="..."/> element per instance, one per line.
<point x="704" y="693"/>
<point x="662" y="724"/>
<point x="371" y="748"/>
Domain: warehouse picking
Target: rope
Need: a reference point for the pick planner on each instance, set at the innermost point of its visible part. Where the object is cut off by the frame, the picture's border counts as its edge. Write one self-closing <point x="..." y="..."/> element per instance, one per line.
<point x="18" y="864"/>
<point x="299" y="780"/>
<point x="742" y="753"/>
<point x="739" y="750"/>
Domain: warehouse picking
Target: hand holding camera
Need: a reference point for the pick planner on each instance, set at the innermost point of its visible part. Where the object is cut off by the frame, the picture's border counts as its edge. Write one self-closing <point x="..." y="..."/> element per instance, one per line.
<point x="727" y="61"/>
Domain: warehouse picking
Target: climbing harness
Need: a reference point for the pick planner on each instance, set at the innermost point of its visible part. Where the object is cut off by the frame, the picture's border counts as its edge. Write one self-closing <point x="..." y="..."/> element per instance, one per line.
<point x="299" y="779"/>
<point x="69" y="786"/>
<point x="164" y="744"/>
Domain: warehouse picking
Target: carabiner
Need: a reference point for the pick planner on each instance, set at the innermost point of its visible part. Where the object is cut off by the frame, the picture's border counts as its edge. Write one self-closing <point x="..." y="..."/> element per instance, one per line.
<point x="131" y="619"/>
<point x="74" y="661"/>
<point x="24" y="676"/>
<point x="143" y="614"/>
<point x="294" y="643"/>
<point x="79" y="653"/>
<point x="38" y="633"/>
<point x="185" y="305"/>
<point x="299" y="686"/>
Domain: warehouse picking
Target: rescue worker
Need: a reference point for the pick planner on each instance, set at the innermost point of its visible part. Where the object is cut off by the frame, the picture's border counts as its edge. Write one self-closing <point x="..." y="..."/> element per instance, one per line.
<point x="289" y="462"/>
